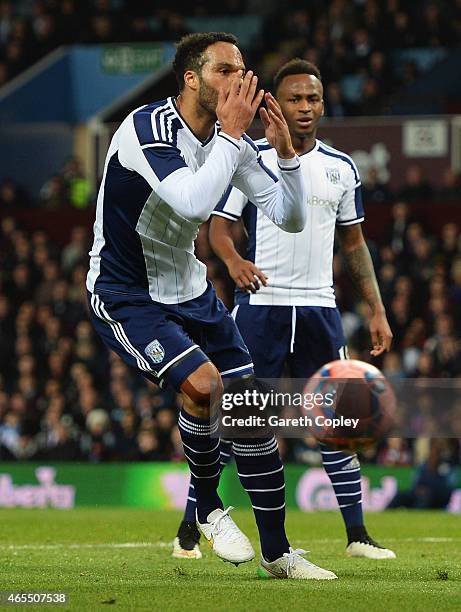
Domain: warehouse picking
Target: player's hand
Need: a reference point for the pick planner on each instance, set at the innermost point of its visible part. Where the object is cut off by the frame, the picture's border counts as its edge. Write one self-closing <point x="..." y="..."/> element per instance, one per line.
<point x="380" y="332"/>
<point x="276" y="127"/>
<point x="236" y="111"/>
<point x="246" y="275"/>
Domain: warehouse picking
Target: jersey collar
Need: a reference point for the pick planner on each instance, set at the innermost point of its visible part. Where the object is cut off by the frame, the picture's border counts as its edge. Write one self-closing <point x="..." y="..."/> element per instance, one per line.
<point x="187" y="127"/>
<point x="312" y="151"/>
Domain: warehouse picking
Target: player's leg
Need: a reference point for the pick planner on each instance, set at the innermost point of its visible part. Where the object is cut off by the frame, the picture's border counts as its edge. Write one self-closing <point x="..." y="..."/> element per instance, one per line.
<point x="268" y="358"/>
<point x="150" y="337"/>
<point x="266" y="332"/>
<point x="187" y="540"/>
<point x="258" y="325"/>
<point x="319" y="338"/>
<point x="258" y="461"/>
<point x="202" y="451"/>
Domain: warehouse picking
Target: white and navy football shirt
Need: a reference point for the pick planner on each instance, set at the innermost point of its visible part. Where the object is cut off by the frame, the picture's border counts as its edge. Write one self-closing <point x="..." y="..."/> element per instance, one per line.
<point x="160" y="183"/>
<point x="300" y="266"/>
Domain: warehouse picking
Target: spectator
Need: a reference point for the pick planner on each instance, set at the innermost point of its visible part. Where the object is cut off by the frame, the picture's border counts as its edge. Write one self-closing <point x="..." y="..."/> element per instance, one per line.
<point x="99" y="443"/>
<point x="395" y="452"/>
<point x="416" y="187"/>
<point x="450" y="190"/>
<point x="54" y="194"/>
<point x="435" y="479"/>
<point x="77" y="186"/>
<point x="375" y="191"/>
<point x="334" y="103"/>
<point x="148" y="446"/>
<point x="398" y="230"/>
<point x="449" y="243"/>
<point x="76" y="251"/>
<point x="12" y="197"/>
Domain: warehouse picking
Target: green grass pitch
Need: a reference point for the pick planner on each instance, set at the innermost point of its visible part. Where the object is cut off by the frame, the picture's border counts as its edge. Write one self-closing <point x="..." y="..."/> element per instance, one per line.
<point x="120" y="559"/>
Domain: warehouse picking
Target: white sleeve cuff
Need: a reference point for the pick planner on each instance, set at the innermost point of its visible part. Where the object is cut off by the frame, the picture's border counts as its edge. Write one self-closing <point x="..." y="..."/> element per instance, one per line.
<point x="230" y="139"/>
<point x="288" y="164"/>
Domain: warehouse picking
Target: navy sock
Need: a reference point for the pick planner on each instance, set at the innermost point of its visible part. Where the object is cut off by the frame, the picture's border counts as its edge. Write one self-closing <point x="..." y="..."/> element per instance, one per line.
<point x="261" y="473"/>
<point x="202" y="454"/>
<point x="344" y="472"/>
<point x="191" y="504"/>
<point x="225" y="454"/>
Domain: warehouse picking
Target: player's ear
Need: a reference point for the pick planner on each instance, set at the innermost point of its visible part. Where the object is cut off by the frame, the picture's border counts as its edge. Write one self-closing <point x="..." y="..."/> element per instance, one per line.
<point x="191" y="80"/>
<point x="323" y="108"/>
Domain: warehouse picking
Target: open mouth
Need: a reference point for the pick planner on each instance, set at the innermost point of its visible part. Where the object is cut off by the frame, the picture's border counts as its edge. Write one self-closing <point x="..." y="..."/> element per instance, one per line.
<point x="305" y="122"/>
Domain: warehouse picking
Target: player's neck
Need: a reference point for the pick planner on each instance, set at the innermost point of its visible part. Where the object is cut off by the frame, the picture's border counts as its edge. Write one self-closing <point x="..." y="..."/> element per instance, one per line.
<point x="303" y="145"/>
<point x="199" y="121"/>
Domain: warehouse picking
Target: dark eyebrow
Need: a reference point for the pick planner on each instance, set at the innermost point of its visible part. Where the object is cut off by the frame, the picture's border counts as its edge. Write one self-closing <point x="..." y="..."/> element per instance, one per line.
<point x="228" y="65"/>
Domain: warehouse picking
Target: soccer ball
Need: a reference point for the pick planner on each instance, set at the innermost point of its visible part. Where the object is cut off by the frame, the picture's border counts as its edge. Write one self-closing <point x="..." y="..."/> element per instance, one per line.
<point x="356" y="405"/>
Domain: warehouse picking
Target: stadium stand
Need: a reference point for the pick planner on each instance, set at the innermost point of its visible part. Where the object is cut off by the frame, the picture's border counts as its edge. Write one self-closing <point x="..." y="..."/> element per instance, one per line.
<point x="62" y="397"/>
<point x="367" y="51"/>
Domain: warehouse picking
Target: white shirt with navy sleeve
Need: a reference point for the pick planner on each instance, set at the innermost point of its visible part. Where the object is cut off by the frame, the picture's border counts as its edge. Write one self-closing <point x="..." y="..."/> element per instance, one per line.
<point x="300" y="266"/>
<point x="160" y="183"/>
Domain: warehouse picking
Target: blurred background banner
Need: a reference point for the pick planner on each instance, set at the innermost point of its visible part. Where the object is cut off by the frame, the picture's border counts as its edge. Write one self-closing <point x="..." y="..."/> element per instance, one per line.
<point x="51" y="106"/>
<point x="164" y="486"/>
<point x="73" y="84"/>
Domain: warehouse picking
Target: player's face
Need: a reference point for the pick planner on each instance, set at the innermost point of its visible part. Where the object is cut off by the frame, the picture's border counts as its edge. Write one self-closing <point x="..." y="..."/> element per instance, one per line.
<point x="301" y="99"/>
<point x="224" y="64"/>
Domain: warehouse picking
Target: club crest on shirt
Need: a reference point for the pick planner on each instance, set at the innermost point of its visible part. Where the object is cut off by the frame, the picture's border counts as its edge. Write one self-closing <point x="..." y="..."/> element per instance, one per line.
<point x="333" y="175"/>
<point x="155" y="351"/>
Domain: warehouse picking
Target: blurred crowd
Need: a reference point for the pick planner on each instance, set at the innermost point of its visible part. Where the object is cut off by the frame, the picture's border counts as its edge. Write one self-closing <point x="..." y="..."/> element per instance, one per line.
<point x="358" y="46"/>
<point x="68" y="188"/>
<point x="353" y="42"/>
<point x="64" y="397"/>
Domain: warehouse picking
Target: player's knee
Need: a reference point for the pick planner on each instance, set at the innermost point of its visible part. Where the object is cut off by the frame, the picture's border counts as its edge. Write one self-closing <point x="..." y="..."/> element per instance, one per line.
<point x="200" y="389"/>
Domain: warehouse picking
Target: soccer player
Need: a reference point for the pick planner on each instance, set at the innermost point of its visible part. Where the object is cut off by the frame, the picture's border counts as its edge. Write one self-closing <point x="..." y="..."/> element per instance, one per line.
<point x="167" y="167"/>
<point x="285" y="302"/>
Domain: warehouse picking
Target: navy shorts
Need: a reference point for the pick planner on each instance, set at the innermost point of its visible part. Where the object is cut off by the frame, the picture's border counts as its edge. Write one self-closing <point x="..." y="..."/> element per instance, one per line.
<point x="302" y="337"/>
<point x="167" y="342"/>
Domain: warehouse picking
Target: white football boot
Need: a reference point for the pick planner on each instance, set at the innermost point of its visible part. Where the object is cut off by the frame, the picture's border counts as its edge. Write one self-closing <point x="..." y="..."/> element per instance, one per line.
<point x="369" y="549"/>
<point x="186" y="543"/>
<point x="179" y="552"/>
<point x="292" y="565"/>
<point x="225" y="538"/>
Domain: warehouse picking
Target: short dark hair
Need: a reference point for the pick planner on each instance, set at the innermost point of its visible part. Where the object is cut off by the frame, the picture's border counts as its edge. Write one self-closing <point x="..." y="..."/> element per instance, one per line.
<point x="190" y="49"/>
<point x="295" y="66"/>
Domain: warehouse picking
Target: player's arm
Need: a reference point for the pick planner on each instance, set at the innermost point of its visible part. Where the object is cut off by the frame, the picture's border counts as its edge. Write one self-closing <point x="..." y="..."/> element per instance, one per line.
<point x="243" y="272"/>
<point x="282" y="198"/>
<point x="360" y="267"/>
<point x="193" y="195"/>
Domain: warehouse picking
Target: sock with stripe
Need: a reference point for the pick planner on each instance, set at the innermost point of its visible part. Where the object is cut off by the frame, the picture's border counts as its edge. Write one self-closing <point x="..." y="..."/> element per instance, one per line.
<point x="344" y="473"/>
<point x="261" y="473"/>
<point x="203" y="456"/>
<point x="225" y="454"/>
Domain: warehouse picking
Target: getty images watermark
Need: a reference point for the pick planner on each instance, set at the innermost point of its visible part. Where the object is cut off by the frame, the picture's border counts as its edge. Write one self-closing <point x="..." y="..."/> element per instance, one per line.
<point x="264" y="402"/>
<point x="339" y="408"/>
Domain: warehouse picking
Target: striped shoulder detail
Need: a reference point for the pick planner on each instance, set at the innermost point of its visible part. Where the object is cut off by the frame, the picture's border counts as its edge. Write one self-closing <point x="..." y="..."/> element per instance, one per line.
<point x="330" y="151"/>
<point x="157" y="124"/>
<point x="262" y="144"/>
<point x="250" y="142"/>
<point x="166" y="125"/>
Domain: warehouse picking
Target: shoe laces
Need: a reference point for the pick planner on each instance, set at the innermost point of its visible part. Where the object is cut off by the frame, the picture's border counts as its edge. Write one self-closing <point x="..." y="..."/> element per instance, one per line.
<point x="224" y="522"/>
<point x="294" y="555"/>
